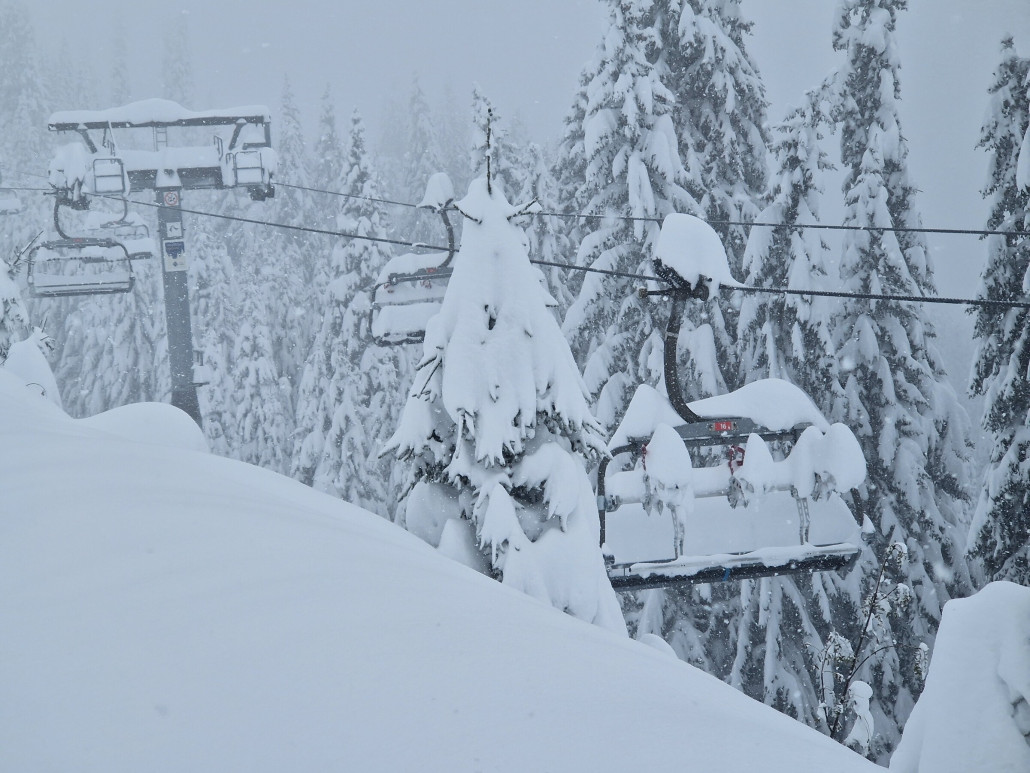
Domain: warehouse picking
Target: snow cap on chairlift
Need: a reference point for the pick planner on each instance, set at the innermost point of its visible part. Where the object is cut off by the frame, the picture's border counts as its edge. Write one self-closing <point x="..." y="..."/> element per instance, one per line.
<point x="439" y="192"/>
<point x="692" y="248"/>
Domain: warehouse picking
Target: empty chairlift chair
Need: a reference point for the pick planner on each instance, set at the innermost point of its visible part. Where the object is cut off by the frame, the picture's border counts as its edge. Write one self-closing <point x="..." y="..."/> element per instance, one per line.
<point x="736" y="486"/>
<point x="410" y="288"/>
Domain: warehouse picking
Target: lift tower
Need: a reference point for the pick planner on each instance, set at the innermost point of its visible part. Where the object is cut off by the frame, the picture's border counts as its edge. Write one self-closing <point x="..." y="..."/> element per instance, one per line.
<point x="239" y="155"/>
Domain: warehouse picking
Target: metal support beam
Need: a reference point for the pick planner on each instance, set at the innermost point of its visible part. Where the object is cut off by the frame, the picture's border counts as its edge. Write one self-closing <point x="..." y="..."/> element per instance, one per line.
<point x="177" y="301"/>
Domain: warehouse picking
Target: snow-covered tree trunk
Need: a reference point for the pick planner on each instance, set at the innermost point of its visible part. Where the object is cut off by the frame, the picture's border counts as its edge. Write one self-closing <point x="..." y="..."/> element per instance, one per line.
<point x="999" y="538"/>
<point x="499" y="429"/>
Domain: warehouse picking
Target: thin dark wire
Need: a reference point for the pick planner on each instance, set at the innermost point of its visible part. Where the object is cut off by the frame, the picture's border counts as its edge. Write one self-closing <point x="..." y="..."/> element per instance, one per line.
<point x="286" y="226"/>
<point x="811" y="226"/>
<point x="639" y="218"/>
<point x="873" y="297"/>
<point x="819" y="293"/>
<point x="347" y="195"/>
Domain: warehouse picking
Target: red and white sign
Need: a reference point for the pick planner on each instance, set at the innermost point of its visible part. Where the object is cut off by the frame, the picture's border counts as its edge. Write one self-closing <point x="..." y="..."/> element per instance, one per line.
<point x="172" y="199"/>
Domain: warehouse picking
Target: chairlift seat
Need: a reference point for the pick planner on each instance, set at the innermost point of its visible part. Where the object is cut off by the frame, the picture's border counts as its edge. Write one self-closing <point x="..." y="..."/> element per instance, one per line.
<point x="724" y="543"/>
<point x="68" y="267"/>
<point x="408" y="293"/>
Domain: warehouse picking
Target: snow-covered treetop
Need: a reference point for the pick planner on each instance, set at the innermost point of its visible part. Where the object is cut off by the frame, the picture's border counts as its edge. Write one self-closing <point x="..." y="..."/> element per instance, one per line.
<point x="692" y="248"/>
<point x="501" y="366"/>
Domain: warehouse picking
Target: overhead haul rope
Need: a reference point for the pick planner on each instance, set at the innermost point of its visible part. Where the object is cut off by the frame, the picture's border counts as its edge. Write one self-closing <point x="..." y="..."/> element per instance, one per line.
<point x="648" y="219"/>
<point x="984" y="302"/>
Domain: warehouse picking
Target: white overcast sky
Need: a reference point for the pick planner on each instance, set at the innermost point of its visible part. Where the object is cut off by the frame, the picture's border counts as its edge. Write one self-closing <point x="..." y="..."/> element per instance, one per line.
<point x="527" y="56"/>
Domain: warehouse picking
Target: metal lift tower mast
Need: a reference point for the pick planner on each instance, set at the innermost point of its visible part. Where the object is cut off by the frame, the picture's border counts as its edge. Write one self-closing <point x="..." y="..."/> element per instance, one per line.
<point x="240" y="156"/>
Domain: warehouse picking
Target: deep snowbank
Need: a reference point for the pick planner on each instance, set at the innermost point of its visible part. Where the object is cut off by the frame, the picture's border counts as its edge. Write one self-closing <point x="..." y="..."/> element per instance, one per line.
<point x="167" y="610"/>
<point x="974" y="713"/>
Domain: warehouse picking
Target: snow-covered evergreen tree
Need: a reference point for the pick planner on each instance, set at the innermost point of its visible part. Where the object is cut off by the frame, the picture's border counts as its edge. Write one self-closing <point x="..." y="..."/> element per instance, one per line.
<point x="999" y="539"/>
<point x="260" y="396"/>
<point x="633" y="170"/>
<point x="783" y="621"/>
<point x="214" y="296"/>
<point x="422" y="159"/>
<point x="498" y="426"/>
<point x="326" y="175"/>
<point x="351" y="390"/>
<point x="288" y="258"/>
<point x="719" y="113"/>
<point x="14" y="318"/>
<point x="547" y="234"/>
<point x="897" y="399"/>
<point x="120" y="90"/>
<point x="177" y="82"/>
<point x="787" y="336"/>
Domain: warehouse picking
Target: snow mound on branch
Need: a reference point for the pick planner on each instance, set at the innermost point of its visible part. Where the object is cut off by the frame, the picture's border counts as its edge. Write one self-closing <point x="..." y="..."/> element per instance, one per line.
<point x="974" y="713"/>
<point x="771" y="402"/>
<point x="692" y="248"/>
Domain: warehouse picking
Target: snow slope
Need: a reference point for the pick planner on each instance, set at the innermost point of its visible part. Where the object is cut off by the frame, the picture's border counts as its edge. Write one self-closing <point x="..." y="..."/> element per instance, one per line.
<point x="163" y="609"/>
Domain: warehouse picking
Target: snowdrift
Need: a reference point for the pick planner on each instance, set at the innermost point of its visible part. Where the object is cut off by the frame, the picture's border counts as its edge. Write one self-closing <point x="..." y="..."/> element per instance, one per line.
<point x="974" y="712"/>
<point x="163" y="609"/>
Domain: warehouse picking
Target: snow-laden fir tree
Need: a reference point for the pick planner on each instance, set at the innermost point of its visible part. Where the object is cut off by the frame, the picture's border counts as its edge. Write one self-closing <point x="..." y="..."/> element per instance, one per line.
<point x="786" y="336"/>
<point x="214" y="296"/>
<point x="422" y="159"/>
<point x="547" y="234"/>
<point x="120" y="90"/>
<point x="783" y="621"/>
<point x="177" y="81"/>
<point x="327" y="172"/>
<point x="14" y="318"/>
<point x="999" y="538"/>
<point x="260" y="396"/>
<point x="499" y="429"/>
<point x="897" y="398"/>
<point x="719" y="110"/>
<point x="287" y="257"/>
<point x="114" y="349"/>
<point x="569" y="172"/>
<point x="633" y="169"/>
<point x="24" y="143"/>
<point x="351" y="390"/>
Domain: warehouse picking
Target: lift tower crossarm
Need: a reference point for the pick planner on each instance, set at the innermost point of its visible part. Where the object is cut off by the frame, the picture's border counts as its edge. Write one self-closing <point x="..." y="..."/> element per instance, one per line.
<point x="243" y="160"/>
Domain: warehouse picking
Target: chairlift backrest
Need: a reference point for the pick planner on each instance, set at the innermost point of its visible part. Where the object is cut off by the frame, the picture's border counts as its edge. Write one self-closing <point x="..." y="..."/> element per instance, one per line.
<point x="69" y="267"/>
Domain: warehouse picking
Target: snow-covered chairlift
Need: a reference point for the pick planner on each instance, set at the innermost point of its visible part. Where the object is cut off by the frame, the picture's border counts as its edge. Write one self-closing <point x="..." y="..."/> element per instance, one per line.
<point x="410" y="288"/>
<point x="65" y="267"/>
<point x="737" y="486"/>
<point x="100" y="264"/>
